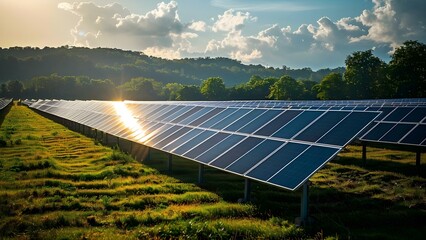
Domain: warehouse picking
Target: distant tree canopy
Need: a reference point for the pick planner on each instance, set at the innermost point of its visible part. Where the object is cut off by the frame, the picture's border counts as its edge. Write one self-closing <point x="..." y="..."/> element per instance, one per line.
<point x="407" y="70"/>
<point x="24" y="63"/>
<point x="367" y="76"/>
<point x="363" y="73"/>
<point x="71" y="73"/>
<point x="142" y="89"/>
<point x="214" y="89"/>
<point x="332" y="86"/>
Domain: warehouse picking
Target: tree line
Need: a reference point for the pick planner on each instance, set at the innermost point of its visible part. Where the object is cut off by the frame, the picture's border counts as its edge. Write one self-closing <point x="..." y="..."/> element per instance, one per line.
<point x="365" y="77"/>
<point x="119" y="66"/>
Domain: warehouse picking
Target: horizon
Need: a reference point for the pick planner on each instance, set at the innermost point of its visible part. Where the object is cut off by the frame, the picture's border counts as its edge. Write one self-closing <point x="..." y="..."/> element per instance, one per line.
<point x="295" y="34"/>
<point x="194" y="58"/>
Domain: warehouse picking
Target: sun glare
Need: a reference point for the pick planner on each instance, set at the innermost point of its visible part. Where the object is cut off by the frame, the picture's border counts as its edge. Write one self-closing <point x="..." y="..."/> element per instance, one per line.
<point x="129" y="121"/>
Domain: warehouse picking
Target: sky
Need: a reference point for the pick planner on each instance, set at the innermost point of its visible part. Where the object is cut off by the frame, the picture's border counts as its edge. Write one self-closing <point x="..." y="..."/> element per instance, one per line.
<point x="293" y="33"/>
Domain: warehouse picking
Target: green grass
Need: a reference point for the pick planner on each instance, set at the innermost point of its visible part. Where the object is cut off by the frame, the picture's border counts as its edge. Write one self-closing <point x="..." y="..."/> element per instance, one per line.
<point x="58" y="184"/>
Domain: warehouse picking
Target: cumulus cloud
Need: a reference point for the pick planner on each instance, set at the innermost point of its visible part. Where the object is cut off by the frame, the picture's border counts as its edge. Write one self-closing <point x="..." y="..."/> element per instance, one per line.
<point x="324" y="43"/>
<point x="393" y="22"/>
<point x="158" y="31"/>
<point x="168" y="53"/>
<point x="231" y="21"/>
<point x="199" y="26"/>
<point x="246" y="57"/>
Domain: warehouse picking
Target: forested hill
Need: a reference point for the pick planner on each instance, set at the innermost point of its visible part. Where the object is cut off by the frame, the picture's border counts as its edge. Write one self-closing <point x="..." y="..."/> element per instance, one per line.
<point x="120" y="66"/>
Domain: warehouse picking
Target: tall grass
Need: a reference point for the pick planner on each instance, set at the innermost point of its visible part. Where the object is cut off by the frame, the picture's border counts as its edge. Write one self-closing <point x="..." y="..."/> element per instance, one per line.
<point x="57" y="184"/>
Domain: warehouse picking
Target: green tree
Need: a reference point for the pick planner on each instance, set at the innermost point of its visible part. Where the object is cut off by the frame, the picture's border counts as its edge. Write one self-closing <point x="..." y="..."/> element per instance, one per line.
<point x="364" y="74"/>
<point x="239" y="92"/>
<point x="190" y="93"/>
<point x="214" y="89"/>
<point x="141" y="89"/>
<point x="171" y="90"/>
<point x="258" y="88"/>
<point x="332" y="86"/>
<point x="286" y="88"/>
<point x="3" y="90"/>
<point x="309" y="91"/>
<point x="15" y="88"/>
<point x="408" y="70"/>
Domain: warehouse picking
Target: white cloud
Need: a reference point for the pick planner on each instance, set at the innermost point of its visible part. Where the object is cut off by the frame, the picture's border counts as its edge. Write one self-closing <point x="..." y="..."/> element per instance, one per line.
<point x="348" y="24"/>
<point x="198" y="26"/>
<point x="157" y="32"/>
<point x="168" y="53"/>
<point x="394" y="21"/>
<point x="246" y="57"/>
<point x="231" y="21"/>
<point x="65" y="6"/>
<point x="324" y="43"/>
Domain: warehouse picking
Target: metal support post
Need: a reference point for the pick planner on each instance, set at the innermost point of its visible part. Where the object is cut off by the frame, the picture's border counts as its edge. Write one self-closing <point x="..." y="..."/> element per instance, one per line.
<point x="304" y="204"/>
<point x="364" y="153"/>
<point x="247" y="190"/>
<point x="418" y="159"/>
<point x="148" y="156"/>
<point x="170" y="162"/>
<point x="200" y="173"/>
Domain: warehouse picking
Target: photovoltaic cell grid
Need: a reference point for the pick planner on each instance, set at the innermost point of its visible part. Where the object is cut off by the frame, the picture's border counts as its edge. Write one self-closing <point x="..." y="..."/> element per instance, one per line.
<point x="317" y="104"/>
<point x="401" y="125"/>
<point x="4" y="102"/>
<point x="282" y="147"/>
<point x="401" y="122"/>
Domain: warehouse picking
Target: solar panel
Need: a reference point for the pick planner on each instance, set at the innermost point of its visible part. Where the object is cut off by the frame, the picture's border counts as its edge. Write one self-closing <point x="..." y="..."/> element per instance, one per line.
<point x="400" y="125"/>
<point x="399" y="119"/>
<point x="278" y="146"/>
<point x="4" y="103"/>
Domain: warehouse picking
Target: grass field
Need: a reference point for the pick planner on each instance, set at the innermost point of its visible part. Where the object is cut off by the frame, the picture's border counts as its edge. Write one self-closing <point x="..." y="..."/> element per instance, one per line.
<point x="58" y="184"/>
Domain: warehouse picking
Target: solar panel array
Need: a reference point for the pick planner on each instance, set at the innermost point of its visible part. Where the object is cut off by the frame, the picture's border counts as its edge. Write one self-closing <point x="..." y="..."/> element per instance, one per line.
<point x="400" y="125"/>
<point x="4" y="102"/>
<point x="278" y="146"/>
<point x="401" y="122"/>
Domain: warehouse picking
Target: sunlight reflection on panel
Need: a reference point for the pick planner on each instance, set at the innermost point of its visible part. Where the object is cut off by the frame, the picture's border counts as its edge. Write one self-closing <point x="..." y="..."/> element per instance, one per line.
<point x="130" y="122"/>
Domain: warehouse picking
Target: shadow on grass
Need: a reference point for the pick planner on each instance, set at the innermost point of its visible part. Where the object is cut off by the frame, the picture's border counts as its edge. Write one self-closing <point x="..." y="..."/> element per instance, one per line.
<point x="349" y="215"/>
<point x="406" y="169"/>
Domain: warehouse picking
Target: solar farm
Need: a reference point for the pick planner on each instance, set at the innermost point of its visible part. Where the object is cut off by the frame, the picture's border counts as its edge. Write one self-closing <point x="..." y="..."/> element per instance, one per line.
<point x="5" y="105"/>
<point x="278" y="143"/>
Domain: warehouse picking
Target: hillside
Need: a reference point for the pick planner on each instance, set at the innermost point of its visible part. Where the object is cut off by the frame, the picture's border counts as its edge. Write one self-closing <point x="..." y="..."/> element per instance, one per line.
<point x="119" y="66"/>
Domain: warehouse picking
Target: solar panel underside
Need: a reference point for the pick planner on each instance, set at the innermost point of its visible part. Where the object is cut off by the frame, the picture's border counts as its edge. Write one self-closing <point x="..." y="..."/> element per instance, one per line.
<point x="278" y="146"/>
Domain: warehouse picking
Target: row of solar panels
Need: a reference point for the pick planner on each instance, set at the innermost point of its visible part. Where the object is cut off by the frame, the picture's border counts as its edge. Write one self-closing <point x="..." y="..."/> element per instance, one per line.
<point x="402" y="121"/>
<point x="335" y="104"/>
<point x="4" y="102"/>
<point x="282" y="147"/>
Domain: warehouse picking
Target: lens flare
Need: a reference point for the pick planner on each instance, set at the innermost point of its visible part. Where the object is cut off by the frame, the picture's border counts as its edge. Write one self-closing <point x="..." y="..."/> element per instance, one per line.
<point x="130" y="122"/>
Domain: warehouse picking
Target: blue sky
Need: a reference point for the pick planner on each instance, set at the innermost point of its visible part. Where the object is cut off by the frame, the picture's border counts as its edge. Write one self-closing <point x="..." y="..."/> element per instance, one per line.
<point x="295" y="33"/>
